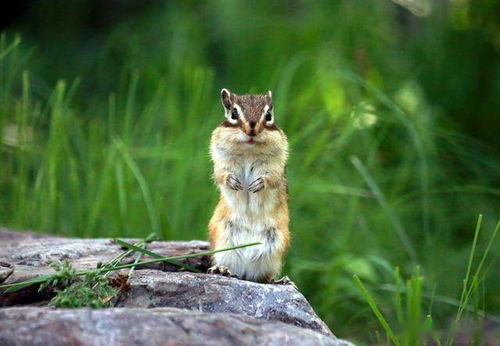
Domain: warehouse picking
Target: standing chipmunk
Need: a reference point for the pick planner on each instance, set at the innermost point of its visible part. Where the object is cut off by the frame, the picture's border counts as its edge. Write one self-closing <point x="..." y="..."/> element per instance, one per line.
<point x="249" y="153"/>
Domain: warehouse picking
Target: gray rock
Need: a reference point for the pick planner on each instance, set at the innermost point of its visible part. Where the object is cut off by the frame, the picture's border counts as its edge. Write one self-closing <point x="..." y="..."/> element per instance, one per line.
<point x="30" y="253"/>
<point x="163" y="305"/>
<point x="5" y="271"/>
<point x="119" y="326"/>
<point x="214" y="293"/>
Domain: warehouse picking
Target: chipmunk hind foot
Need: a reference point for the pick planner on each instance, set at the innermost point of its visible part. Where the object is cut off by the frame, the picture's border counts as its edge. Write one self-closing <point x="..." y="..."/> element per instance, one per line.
<point x="221" y="270"/>
<point x="285" y="280"/>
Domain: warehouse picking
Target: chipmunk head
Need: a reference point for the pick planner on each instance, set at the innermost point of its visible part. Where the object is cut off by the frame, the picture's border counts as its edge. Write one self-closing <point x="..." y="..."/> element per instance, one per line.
<point x="249" y="117"/>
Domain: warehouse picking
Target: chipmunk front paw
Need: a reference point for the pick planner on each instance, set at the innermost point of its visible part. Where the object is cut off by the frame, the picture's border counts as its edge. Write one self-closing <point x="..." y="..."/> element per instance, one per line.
<point x="256" y="185"/>
<point x="221" y="270"/>
<point x="233" y="182"/>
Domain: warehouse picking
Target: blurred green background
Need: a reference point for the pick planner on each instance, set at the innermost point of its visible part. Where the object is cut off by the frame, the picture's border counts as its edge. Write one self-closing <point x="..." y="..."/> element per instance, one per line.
<point x="392" y="110"/>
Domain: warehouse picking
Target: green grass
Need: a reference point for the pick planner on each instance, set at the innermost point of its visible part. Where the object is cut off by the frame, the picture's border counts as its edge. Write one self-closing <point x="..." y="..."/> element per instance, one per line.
<point x="413" y="325"/>
<point x="113" y="142"/>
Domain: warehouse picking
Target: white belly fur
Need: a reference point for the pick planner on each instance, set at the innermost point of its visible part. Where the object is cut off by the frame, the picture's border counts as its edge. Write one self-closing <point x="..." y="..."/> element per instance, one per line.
<point x="251" y="263"/>
<point x="251" y="221"/>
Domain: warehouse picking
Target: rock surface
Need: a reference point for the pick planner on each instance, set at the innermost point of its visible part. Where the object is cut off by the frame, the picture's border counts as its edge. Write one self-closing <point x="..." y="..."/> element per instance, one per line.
<point x="119" y="326"/>
<point x="162" y="306"/>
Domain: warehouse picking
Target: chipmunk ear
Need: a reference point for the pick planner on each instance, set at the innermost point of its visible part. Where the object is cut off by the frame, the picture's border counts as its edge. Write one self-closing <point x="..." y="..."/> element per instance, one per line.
<point x="225" y="96"/>
<point x="269" y="96"/>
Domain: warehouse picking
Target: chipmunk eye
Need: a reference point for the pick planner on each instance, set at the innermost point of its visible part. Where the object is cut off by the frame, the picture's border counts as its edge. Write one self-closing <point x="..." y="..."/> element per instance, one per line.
<point x="269" y="116"/>
<point x="234" y="114"/>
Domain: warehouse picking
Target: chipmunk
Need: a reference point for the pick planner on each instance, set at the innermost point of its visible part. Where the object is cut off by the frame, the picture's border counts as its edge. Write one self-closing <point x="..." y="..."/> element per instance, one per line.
<point x="249" y="153"/>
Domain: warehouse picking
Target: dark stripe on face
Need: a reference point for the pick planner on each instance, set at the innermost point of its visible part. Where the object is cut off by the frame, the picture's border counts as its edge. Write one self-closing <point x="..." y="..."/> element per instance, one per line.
<point x="272" y="127"/>
<point x="226" y="123"/>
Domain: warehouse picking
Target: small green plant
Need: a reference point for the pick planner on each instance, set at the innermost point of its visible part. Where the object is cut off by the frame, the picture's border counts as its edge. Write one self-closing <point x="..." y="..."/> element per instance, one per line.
<point x="63" y="276"/>
<point x="93" y="290"/>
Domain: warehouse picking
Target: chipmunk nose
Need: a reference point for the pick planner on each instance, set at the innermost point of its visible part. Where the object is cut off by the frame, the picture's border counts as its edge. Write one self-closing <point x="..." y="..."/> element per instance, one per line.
<point x="251" y="129"/>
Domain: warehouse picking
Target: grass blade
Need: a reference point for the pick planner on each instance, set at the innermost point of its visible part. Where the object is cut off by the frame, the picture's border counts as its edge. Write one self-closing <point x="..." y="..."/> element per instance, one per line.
<point x="166" y="259"/>
<point x="155" y="255"/>
<point x="385" y="206"/>
<point x="373" y="305"/>
<point x="24" y="284"/>
<point x="141" y="180"/>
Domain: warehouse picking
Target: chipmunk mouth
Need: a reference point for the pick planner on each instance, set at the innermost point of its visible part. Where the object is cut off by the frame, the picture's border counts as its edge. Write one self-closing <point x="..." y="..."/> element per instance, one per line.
<point x="250" y="141"/>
